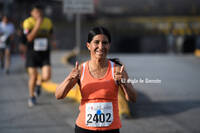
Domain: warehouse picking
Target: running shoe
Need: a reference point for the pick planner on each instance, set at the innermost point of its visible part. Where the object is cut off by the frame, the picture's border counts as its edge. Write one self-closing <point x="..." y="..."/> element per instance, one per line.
<point x="31" y="101"/>
<point x="7" y="71"/>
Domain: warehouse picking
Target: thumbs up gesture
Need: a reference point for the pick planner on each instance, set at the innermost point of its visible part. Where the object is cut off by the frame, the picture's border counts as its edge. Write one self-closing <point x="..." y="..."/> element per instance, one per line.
<point x="120" y="75"/>
<point x="75" y="74"/>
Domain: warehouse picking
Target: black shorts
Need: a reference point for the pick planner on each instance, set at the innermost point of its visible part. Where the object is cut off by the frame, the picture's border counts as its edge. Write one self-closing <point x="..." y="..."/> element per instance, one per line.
<point x="2" y="50"/>
<point x="82" y="130"/>
<point x="37" y="59"/>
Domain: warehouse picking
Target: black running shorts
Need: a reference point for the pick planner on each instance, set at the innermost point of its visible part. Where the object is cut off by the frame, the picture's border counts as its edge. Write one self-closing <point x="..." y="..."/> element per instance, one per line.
<point x="37" y="59"/>
<point x="82" y="130"/>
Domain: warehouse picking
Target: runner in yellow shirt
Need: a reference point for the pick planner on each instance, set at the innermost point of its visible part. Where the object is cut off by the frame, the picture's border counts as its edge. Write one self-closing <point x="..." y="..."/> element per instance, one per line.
<point x="38" y="32"/>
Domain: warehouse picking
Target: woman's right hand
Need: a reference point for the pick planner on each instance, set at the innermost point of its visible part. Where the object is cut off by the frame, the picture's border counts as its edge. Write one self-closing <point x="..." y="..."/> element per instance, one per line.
<point x="63" y="88"/>
<point x="75" y="73"/>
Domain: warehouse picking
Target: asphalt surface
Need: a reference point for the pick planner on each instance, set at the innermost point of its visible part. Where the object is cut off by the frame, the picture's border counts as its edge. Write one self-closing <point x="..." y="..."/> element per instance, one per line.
<point x="172" y="106"/>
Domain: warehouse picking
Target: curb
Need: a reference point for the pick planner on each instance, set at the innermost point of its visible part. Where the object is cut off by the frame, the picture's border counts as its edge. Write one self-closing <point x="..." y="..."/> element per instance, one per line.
<point x="197" y="52"/>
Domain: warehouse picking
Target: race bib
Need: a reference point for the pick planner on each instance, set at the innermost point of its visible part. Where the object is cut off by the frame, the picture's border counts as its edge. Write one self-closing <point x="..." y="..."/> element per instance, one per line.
<point x="2" y="45"/>
<point x="40" y="44"/>
<point x="99" y="114"/>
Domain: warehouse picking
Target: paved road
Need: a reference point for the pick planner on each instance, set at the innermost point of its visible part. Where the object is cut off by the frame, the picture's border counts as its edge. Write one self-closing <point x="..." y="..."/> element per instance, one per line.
<point x="170" y="106"/>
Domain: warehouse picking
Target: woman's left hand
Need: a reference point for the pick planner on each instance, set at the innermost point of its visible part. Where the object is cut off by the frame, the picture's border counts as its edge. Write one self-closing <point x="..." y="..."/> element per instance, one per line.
<point x="120" y="75"/>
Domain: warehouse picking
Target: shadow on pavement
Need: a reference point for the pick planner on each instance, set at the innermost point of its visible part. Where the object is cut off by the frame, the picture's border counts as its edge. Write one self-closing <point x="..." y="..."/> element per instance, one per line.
<point x="145" y="107"/>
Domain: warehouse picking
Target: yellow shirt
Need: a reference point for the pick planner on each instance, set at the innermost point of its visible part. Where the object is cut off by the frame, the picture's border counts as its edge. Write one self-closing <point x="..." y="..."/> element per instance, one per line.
<point x="44" y="30"/>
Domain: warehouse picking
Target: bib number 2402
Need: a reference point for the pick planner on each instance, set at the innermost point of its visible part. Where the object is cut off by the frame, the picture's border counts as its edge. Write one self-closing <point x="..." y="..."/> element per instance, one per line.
<point x="99" y="114"/>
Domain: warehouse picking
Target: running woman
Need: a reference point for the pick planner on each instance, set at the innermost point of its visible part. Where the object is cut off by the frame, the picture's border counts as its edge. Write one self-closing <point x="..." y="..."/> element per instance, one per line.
<point x="99" y="79"/>
<point x="38" y="32"/>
